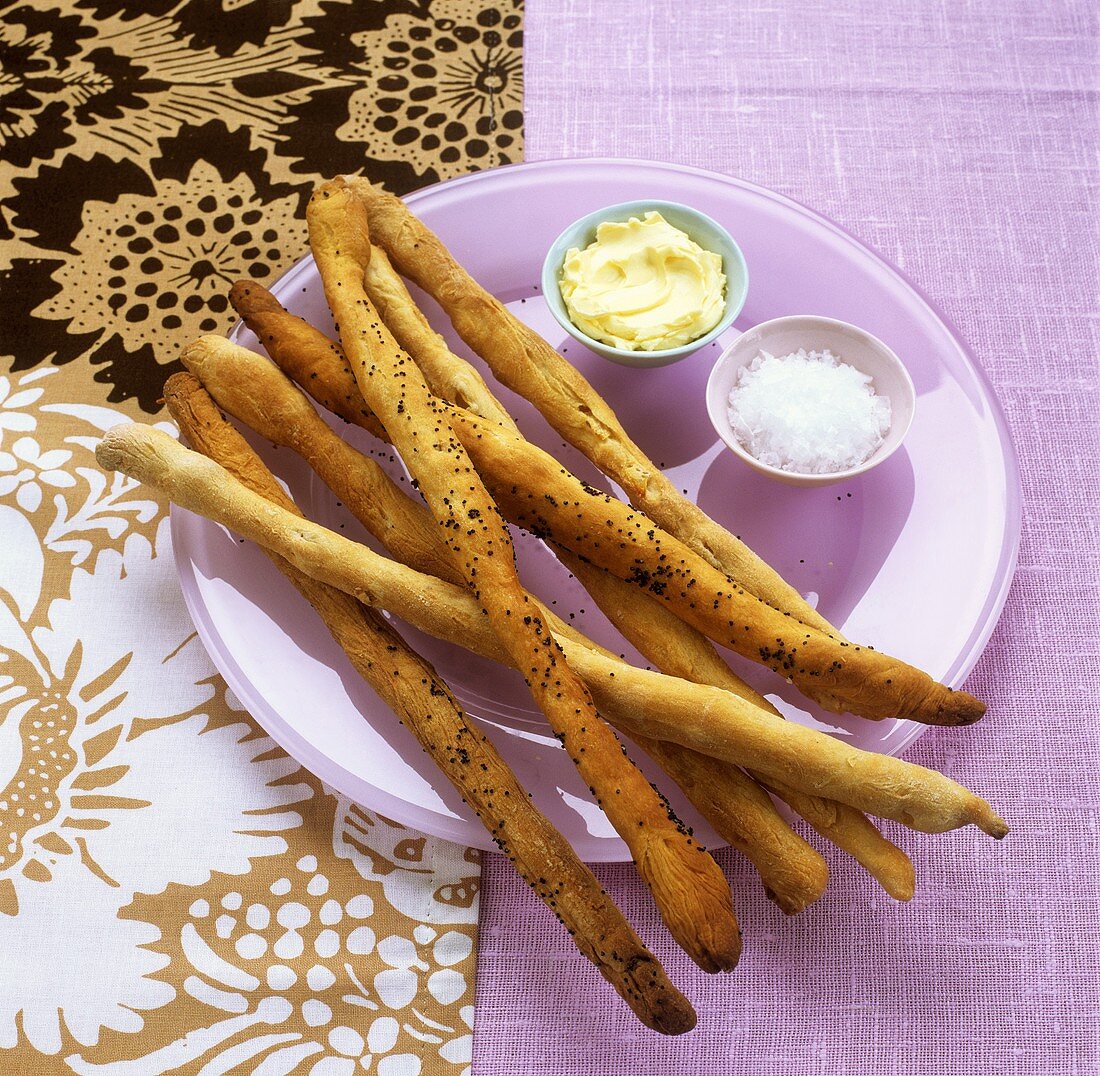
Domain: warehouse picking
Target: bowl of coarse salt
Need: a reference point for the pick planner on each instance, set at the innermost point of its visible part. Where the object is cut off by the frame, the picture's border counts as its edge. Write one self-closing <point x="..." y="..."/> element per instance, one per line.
<point x="810" y="400"/>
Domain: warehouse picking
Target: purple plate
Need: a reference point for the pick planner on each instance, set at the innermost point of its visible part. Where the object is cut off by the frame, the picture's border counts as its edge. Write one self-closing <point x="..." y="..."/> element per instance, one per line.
<point x="914" y="558"/>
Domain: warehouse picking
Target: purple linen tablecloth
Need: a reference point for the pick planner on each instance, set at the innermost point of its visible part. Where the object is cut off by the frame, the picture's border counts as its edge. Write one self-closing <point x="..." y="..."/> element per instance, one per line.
<point x="958" y="139"/>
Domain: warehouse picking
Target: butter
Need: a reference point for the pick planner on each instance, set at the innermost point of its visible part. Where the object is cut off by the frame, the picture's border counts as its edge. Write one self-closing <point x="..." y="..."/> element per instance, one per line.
<point x="643" y="285"/>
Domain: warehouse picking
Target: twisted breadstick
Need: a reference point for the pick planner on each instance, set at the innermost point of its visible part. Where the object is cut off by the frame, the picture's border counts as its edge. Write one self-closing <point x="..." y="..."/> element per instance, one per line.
<point x="425" y="705"/>
<point x="541" y="496"/>
<point x="710" y="720"/>
<point x="689" y="889"/>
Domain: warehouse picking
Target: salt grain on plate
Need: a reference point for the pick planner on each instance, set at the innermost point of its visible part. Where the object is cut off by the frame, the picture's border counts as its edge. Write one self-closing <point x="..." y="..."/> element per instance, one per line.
<point x="808" y="412"/>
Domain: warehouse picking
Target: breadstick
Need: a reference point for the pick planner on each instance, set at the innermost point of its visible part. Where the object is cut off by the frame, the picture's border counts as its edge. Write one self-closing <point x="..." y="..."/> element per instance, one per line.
<point x="687" y="885"/>
<point x="541" y="496"/>
<point x="425" y="706"/>
<point x="679" y="650"/>
<point x="706" y="719"/>
<point x="448" y="376"/>
<point x="260" y="395"/>
<point x="537" y="493"/>
<point x="528" y="365"/>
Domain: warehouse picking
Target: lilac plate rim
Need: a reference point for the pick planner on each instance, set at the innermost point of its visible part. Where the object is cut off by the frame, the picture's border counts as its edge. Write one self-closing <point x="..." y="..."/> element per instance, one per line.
<point x="458" y="829"/>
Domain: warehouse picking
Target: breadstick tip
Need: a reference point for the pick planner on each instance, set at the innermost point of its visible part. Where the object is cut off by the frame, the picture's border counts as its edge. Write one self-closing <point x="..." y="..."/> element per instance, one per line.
<point x="115" y="445"/>
<point x="140" y="451"/>
<point x="329" y="187"/>
<point x="988" y="821"/>
<point x="181" y="384"/>
<point x="361" y="185"/>
<point x="196" y="354"/>
<point x="959" y="708"/>
<point x="695" y="902"/>
<point x="900" y="882"/>
<point x="128" y="436"/>
<point x="674" y="1016"/>
<point x="348" y="238"/>
<point x="249" y="298"/>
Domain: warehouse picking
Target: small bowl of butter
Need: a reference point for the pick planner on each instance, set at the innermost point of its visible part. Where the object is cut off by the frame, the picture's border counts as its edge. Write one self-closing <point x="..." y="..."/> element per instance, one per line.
<point x="645" y="283"/>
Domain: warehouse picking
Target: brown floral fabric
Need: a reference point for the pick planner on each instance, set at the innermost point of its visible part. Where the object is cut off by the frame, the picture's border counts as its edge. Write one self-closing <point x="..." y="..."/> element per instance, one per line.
<point x="176" y="894"/>
<point x="152" y="152"/>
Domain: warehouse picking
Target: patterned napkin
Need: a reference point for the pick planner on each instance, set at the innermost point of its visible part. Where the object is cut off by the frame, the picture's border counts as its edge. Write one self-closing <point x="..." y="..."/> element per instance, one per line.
<point x="176" y="894"/>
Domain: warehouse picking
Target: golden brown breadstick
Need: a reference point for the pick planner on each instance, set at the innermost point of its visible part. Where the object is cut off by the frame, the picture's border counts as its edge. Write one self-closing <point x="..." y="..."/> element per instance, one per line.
<point x="540" y="495"/>
<point x="679" y="650"/>
<point x="528" y="365"/>
<point x="706" y="719"/>
<point x="272" y="322"/>
<point x="533" y="490"/>
<point x="448" y="376"/>
<point x="425" y="705"/>
<point x="688" y="887"/>
<point x="260" y="395"/>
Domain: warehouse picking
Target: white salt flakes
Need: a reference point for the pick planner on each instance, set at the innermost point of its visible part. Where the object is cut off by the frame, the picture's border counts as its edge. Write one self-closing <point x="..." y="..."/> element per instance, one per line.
<point x="808" y="412"/>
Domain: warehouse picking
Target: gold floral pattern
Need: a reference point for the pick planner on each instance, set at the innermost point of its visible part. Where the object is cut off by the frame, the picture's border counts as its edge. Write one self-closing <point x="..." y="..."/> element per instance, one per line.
<point x="176" y="894"/>
<point x="166" y="260"/>
<point x="451" y="86"/>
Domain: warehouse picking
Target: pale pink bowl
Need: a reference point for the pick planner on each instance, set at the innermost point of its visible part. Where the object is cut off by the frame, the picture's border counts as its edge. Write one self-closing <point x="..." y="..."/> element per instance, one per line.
<point x="850" y="344"/>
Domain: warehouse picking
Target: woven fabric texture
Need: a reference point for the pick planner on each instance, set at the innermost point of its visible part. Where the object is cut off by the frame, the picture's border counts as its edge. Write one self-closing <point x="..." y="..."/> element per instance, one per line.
<point x="957" y="139"/>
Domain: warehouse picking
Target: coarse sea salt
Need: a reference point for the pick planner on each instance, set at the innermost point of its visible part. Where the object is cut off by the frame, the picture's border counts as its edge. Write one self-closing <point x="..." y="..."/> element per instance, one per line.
<point x="807" y="412"/>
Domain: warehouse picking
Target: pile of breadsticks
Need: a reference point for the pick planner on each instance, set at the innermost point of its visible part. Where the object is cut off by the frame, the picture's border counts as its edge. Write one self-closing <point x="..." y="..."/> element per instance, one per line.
<point x="672" y="580"/>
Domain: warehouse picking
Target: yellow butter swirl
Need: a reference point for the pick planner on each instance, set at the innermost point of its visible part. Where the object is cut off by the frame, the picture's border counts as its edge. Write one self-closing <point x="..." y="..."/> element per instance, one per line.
<point x="643" y="285"/>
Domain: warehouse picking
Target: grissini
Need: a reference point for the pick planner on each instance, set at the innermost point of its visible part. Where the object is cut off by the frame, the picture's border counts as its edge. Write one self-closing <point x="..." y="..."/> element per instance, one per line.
<point x="688" y="887"/>
<point x="527" y="364"/>
<point x="259" y="394"/>
<point x="740" y="812"/>
<point x="791" y="876"/>
<point x="448" y="375"/>
<point x="706" y="719"/>
<point x="426" y="707"/>
<point x="535" y="491"/>
<point x="540" y="495"/>
<point x="679" y="650"/>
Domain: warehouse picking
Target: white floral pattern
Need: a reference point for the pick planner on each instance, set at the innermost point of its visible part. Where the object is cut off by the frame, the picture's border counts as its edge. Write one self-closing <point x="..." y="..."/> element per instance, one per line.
<point x="26" y="468"/>
<point x="15" y="398"/>
<point x="148" y="828"/>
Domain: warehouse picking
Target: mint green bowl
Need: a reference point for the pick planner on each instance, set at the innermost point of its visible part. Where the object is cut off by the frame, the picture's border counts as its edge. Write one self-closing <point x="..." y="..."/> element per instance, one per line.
<point x="708" y="233"/>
